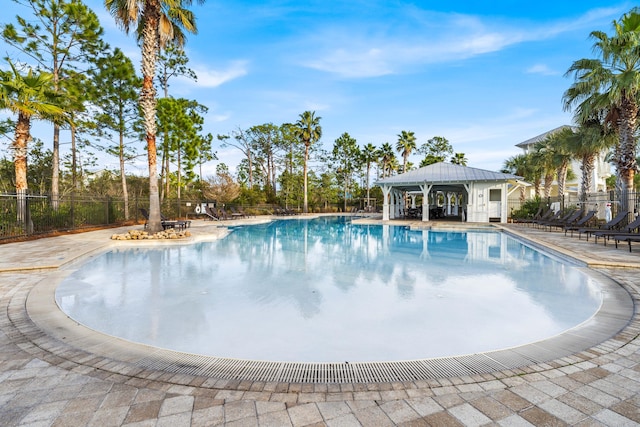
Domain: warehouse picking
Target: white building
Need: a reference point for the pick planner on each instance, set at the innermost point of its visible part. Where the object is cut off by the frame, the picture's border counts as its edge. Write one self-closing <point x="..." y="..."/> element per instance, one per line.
<point x="601" y="172"/>
<point x="474" y="195"/>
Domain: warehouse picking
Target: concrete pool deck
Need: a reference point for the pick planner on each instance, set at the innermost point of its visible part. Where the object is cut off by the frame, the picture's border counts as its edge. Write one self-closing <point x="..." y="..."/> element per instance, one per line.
<point x="46" y="381"/>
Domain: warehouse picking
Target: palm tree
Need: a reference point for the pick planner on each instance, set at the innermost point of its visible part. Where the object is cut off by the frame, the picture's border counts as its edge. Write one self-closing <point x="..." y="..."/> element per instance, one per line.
<point x="612" y="82"/>
<point x="591" y="139"/>
<point x="521" y="165"/>
<point x="370" y="154"/>
<point x="405" y="145"/>
<point x="542" y="156"/>
<point x="459" y="159"/>
<point x="30" y="97"/>
<point x="393" y="166"/>
<point x="158" y="22"/>
<point x="387" y="158"/>
<point x="554" y="154"/>
<point x="308" y="131"/>
<point x="563" y="154"/>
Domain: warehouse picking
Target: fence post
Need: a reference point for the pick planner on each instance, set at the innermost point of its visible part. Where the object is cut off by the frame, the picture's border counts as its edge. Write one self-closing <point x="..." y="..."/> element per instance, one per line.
<point x="108" y="209"/>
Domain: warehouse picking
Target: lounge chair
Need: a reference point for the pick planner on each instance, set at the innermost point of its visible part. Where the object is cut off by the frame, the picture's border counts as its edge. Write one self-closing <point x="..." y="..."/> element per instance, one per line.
<point x="609" y="226"/>
<point x="567" y="220"/>
<point x="557" y="218"/>
<point x="548" y="216"/>
<point x="235" y="213"/>
<point x="580" y="223"/>
<point x="283" y="211"/>
<point x="242" y="212"/>
<point x="211" y="213"/>
<point x="629" y="229"/>
<point x="145" y="215"/>
<point x="632" y="237"/>
<point x="222" y="214"/>
<point x="538" y="215"/>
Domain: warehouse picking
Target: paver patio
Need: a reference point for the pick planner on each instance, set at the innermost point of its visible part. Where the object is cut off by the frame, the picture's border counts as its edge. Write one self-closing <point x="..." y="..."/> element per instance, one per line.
<point x="47" y="382"/>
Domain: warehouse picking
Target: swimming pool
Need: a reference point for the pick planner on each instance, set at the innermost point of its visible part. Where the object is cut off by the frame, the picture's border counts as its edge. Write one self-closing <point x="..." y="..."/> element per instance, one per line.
<point x="328" y="290"/>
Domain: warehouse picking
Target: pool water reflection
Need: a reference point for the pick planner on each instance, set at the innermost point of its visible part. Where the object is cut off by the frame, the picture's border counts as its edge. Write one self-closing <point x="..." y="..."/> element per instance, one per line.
<point x="326" y="290"/>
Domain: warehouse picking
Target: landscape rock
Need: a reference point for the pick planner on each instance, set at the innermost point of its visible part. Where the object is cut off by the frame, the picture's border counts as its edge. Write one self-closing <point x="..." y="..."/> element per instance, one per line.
<point x="169" y="233"/>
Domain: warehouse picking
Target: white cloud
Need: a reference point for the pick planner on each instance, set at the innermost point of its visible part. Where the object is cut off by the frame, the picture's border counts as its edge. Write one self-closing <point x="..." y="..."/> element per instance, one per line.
<point x="370" y="50"/>
<point x="542" y="69"/>
<point x="214" y="78"/>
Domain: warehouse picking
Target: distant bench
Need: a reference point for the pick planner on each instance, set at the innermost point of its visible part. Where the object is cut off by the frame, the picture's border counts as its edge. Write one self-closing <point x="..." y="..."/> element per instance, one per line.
<point x="177" y="225"/>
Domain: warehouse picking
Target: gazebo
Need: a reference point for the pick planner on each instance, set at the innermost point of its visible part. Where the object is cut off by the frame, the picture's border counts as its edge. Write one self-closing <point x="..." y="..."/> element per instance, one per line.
<point x="476" y="195"/>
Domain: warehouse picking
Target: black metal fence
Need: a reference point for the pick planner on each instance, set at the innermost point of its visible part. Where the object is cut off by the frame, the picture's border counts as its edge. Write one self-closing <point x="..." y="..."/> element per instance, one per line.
<point x="600" y="202"/>
<point x="33" y="215"/>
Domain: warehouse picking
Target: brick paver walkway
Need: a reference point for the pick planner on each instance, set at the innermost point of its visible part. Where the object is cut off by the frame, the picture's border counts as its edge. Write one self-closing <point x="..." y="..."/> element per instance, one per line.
<point x="44" y="382"/>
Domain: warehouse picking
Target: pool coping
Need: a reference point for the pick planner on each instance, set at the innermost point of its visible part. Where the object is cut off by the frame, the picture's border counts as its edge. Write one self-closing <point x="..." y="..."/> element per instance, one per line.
<point x="33" y="312"/>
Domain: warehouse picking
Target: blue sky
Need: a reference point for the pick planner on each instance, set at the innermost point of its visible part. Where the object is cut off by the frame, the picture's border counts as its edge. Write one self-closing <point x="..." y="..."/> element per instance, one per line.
<point x="486" y="75"/>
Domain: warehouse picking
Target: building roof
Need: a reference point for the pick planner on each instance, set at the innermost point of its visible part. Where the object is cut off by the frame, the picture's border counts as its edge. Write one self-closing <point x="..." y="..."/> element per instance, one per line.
<point x="444" y="174"/>
<point x="541" y="137"/>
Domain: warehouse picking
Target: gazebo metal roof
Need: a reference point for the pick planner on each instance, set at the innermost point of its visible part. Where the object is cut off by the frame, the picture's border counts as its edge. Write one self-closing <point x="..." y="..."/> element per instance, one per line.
<point x="443" y="176"/>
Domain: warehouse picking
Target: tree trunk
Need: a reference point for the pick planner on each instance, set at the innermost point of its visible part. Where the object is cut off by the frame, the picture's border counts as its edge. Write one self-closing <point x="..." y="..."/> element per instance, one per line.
<point x="548" y="180"/>
<point x="588" y="165"/>
<point x="150" y="46"/>
<point x="346" y="184"/>
<point x="23" y="126"/>
<point x="165" y="165"/>
<point x="123" y="178"/>
<point x="250" y="160"/>
<point x="179" y="172"/>
<point x="55" y="168"/>
<point x="562" y="178"/>
<point x="305" y="204"/>
<point x="626" y="161"/>
<point x="368" y="170"/>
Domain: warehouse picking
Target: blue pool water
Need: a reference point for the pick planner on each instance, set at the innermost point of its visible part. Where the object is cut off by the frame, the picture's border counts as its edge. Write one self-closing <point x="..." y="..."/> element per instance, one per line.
<point x="325" y="290"/>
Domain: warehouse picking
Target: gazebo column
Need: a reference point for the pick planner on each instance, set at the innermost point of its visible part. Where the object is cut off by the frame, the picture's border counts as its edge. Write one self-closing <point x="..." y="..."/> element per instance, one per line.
<point x="386" y="192"/>
<point x="397" y="200"/>
<point x="449" y="194"/>
<point x="456" y="206"/>
<point x="470" y="201"/>
<point x="413" y="201"/>
<point x="426" y="188"/>
<point x="392" y="205"/>
<point x="425" y="245"/>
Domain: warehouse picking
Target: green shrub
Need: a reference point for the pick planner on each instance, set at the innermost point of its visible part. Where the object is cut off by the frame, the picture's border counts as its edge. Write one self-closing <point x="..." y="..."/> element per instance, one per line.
<point x="528" y="209"/>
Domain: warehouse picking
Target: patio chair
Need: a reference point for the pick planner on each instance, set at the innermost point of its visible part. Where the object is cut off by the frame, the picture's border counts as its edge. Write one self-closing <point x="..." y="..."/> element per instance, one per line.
<point x="558" y="217"/>
<point x="222" y="214"/>
<point x="179" y="224"/>
<point x="284" y="211"/>
<point x="242" y="212"/>
<point x="548" y="216"/>
<point x="632" y="237"/>
<point x="580" y="223"/>
<point x="236" y="214"/>
<point x="211" y="213"/>
<point x="538" y="215"/>
<point x="166" y="223"/>
<point x="611" y="225"/>
<point x="629" y="229"/>
<point x="569" y="218"/>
